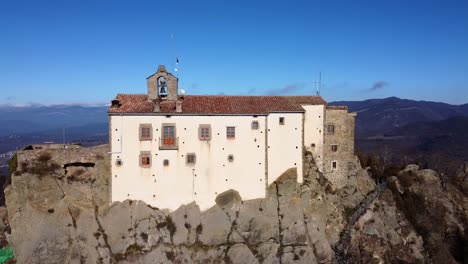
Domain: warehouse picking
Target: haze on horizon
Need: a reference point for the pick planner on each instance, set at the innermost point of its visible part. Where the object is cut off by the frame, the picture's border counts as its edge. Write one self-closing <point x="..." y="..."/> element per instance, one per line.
<point x="58" y="52"/>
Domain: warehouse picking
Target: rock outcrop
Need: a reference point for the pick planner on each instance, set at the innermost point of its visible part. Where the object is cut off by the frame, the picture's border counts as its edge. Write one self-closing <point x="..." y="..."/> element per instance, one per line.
<point x="64" y="216"/>
<point x="461" y="178"/>
<point x="437" y="210"/>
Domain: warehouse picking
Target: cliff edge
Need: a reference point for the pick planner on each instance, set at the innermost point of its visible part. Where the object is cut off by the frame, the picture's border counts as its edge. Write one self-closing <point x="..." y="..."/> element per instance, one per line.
<point x="59" y="212"/>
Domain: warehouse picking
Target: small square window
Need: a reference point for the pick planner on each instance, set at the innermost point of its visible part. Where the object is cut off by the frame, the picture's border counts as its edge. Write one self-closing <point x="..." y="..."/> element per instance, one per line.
<point x="334" y="148"/>
<point x="190" y="158"/>
<point x="118" y="162"/>
<point x="281" y="120"/>
<point x="145" y="159"/>
<point x="334" y="165"/>
<point x="231" y="132"/>
<point x="230" y="158"/>
<point x="145" y="132"/>
<point x="254" y="125"/>
<point x="330" y="129"/>
<point x="166" y="162"/>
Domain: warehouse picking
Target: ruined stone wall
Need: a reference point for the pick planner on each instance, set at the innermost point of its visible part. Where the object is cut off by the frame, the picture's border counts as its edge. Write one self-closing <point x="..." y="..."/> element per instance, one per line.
<point x="64" y="156"/>
<point x="343" y="138"/>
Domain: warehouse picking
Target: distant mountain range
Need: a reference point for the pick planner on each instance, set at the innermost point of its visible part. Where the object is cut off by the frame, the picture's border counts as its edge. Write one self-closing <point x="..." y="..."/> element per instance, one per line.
<point x="430" y="133"/>
<point x="405" y="127"/>
<point x="381" y="116"/>
<point x="49" y="119"/>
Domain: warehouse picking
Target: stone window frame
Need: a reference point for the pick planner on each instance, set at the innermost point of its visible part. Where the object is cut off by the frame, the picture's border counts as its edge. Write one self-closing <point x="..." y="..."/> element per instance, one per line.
<point x="331" y="128"/>
<point x="190" y="159"/>
<point x="205" y="137"/>
<point x="255" y="125"/>
<point x="145" y="159"/>
<point x="334" y="147"/>
<point x="335" y="163"/>
<point x="231" y="132"/>
<point x="282" y="121"/>
<point x="145" y="126"/>
<point x="168" y="125"/>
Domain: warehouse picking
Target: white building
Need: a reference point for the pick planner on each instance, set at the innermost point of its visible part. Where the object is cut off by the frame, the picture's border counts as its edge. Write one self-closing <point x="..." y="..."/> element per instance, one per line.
<point x="170" y="149"/>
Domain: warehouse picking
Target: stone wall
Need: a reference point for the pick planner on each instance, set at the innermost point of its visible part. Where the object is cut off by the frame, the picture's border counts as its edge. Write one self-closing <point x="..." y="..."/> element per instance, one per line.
<point x="343" y="137"/>
<point x="172" y="84"/>
<point x="63" y="156"/>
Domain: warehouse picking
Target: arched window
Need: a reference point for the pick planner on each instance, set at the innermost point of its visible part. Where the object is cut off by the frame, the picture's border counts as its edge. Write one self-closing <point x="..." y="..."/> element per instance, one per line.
<point x="162" y="86"/>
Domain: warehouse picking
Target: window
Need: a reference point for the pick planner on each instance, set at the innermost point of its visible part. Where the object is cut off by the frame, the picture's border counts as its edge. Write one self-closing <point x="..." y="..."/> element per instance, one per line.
<point x="168" y="135"/>
<point x="190" y="158"/>
<point x="330" y="129"/>
<point x="204" y="132"/>
<point x="230" y="158"/>
<point x="145" y="159"/>
<point x="166" y="162"/>
<point x="334" y="165"/>
<point x="334" y="148"/>
<point x="145" y="132"/>
<point x="231" y="132"/>
<point x="254" y="125"/>
<point x="281" y="120"/>
<point x="118" y="162"/>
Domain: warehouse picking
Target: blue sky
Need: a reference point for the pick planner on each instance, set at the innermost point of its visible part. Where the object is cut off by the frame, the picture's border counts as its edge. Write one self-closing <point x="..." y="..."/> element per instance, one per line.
<point x="67" y="51"/>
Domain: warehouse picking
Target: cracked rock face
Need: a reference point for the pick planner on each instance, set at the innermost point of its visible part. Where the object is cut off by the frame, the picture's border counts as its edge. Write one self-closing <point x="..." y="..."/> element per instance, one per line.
<point x="438" y="211"/>
<point x="383" y="234"/>
<point x="54" y="220"/>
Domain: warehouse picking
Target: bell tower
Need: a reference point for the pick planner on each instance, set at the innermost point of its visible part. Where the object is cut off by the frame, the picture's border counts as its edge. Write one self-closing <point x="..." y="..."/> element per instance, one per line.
<point x="162" y="86"/>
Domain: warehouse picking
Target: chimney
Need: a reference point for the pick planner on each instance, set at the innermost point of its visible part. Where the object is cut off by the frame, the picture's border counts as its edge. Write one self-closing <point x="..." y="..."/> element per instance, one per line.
<point x="156" y="108"/>
<point x="115" y="103"/>
<point x="178" y="106"/>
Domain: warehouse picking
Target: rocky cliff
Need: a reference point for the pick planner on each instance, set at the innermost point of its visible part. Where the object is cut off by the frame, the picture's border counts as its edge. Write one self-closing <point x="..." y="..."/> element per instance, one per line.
<point x="59" y="212"/>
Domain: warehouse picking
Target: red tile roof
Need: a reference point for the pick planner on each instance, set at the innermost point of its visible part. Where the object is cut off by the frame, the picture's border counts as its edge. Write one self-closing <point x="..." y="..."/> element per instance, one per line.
<point x="230" y="105"/>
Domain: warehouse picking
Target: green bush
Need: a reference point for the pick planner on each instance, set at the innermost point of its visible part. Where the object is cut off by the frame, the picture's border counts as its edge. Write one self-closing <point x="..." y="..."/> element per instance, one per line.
<point x="13" y="163"/>
<point x="5" y="254"/>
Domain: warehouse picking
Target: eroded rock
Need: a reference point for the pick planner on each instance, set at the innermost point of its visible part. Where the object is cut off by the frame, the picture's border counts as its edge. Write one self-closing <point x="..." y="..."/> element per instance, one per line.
<point x="56" y="220"/>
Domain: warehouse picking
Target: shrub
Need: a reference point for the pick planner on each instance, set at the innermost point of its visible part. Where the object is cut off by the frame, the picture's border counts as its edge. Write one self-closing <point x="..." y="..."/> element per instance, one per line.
<point x="41" y="166"/>
<point x="44" y="157"/>
<point x="13" y="163"/>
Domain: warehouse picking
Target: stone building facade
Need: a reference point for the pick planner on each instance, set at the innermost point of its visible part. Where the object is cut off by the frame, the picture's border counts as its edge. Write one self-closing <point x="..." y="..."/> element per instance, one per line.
<point x="170" y="149"/>
<point x="338" y="151"/>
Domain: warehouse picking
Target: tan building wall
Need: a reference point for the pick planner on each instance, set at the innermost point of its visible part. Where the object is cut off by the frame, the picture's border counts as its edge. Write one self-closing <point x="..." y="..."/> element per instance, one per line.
<point x="179" y="183"/>
<point x="343" y="139"/>
<point x="313" y="132"/>
<point x="284" y="144"/>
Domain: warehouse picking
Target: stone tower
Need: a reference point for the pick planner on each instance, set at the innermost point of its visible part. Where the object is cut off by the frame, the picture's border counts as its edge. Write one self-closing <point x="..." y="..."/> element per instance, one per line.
<point x="162" y="86"/>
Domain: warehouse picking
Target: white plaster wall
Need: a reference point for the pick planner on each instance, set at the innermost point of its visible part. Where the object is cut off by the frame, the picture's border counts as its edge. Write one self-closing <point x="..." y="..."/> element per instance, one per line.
<point x="177" y="184"/>
<point x="284" y="145"/>
<point x="313" y="132"/>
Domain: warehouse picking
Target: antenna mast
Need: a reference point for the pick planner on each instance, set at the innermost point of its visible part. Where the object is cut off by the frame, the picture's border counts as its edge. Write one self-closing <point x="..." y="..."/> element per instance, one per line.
<point x="318" y="84"/>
